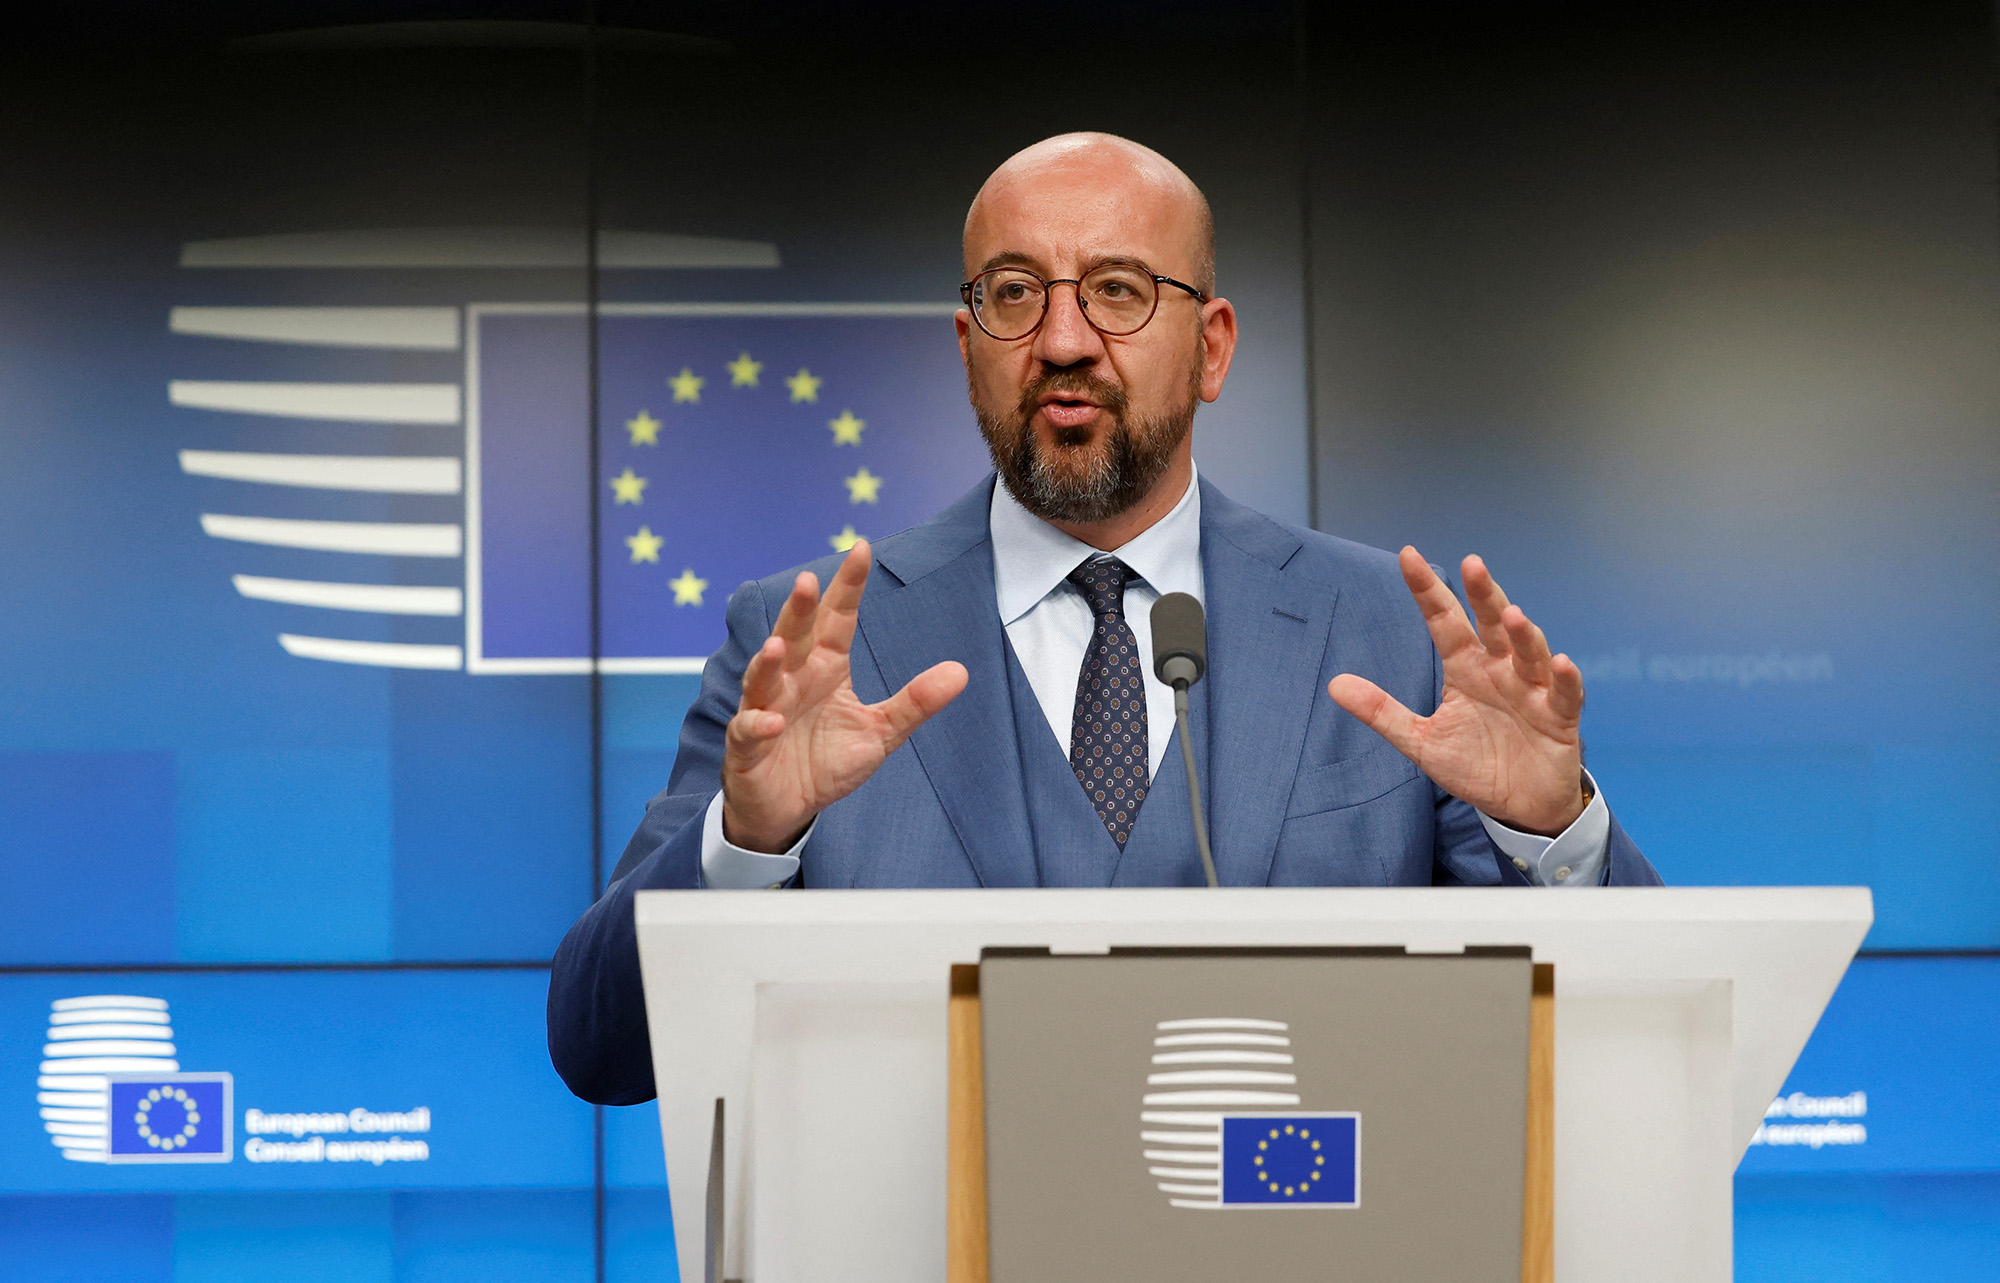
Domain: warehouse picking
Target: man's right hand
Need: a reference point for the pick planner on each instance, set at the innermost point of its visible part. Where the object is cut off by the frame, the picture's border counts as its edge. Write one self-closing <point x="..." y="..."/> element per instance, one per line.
<point x="800" y="740"/>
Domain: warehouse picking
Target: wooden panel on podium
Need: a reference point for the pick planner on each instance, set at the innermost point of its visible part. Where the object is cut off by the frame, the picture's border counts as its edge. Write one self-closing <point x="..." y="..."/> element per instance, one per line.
<point x="965" y="1170"/>
<point x="1538" y="1190"/>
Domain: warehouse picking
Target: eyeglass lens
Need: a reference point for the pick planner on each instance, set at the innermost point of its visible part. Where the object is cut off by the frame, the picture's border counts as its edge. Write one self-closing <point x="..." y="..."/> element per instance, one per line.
<point x="1116" y="298"/>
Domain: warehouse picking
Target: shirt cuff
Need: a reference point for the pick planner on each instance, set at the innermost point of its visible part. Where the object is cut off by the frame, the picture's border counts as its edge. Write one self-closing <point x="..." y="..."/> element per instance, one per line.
<point x="1575" y="858"/>
<point x="728" y="867"/>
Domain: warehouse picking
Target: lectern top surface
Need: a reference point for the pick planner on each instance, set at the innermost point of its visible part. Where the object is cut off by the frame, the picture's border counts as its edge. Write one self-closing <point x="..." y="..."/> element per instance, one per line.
<point x="1252" y="904"/>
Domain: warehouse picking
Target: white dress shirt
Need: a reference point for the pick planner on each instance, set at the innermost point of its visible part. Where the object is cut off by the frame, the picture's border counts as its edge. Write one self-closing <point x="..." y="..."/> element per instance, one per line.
<point x="1049" y="625"/>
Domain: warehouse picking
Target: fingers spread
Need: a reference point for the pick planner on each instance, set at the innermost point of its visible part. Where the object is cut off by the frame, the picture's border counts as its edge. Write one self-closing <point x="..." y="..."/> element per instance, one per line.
<point x="1448" y="627"/>
<point x="795" y="619"/>
<point x="843" y="592"/>
<point x="1531" y="648"/>
<point x="1565" y="688"/>
<point x="925" y="694"/>
<point x="1379" y="711"/>
<point x="1488" y="603"/>
<point x="842" y="607"/>
<point x="764" y="677"/>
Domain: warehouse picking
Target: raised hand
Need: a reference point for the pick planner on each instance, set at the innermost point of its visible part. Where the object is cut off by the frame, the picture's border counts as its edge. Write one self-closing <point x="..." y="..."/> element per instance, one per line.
<point x="1504" y="737"/>
<point x="801" y="740"/>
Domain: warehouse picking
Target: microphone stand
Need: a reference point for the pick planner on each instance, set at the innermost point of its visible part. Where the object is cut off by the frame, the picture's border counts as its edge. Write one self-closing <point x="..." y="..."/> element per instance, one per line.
<point x="1194" y="784"/>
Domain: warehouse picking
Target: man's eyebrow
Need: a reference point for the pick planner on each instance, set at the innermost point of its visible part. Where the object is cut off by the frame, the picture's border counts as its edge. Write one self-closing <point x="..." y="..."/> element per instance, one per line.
<point x="1007" y="258"/>
<point x="1015" y="258"/>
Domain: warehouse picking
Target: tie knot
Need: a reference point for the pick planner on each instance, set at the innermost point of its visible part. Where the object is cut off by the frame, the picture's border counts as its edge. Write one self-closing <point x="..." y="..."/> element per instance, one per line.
<point x="1102" y="582"/>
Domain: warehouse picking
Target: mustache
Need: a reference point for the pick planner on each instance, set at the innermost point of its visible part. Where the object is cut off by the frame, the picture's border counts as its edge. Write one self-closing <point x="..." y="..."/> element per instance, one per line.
<point x="1078" y="383"/>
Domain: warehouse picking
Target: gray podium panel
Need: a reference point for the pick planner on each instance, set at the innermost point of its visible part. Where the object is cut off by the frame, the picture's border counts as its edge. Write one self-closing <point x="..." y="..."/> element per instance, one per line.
<point x="1188" y="1114"/>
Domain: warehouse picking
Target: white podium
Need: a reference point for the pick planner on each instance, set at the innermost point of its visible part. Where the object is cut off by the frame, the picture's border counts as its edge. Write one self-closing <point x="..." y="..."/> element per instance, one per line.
<point x="820" y="1017"/>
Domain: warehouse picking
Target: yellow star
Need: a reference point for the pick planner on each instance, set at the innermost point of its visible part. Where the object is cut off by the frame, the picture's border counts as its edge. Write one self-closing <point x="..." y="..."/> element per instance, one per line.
<point x="686" y="385"/>
<point x="645" y="429"/>
<point x="645" y="546"/>
<point x="847" y="428"/>
<point x="687" y="588"/>
<point x="863" y="487"/>
<point x="743" y="371"/>
<point x="804" y="386"/>
<point x="845" y="540"/>
<point x="627" y="487"/>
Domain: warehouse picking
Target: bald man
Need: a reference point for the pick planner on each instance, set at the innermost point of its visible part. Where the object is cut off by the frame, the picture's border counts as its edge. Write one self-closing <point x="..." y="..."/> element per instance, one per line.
<point x="970" y="702"/>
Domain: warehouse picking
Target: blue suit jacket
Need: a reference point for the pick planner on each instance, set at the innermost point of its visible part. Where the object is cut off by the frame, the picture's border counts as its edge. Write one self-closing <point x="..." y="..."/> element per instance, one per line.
<point x="1298" y="792"/>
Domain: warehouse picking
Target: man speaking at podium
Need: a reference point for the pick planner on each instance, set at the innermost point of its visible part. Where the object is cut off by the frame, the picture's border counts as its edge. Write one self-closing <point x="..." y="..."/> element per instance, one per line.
<point x="970" y="703"/>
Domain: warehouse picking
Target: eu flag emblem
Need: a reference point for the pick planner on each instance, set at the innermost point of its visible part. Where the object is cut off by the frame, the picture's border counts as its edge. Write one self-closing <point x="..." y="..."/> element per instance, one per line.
<point x="732" y="441"/>
<point x="1291" y="1159"/>
<point x="169" y="1118"/>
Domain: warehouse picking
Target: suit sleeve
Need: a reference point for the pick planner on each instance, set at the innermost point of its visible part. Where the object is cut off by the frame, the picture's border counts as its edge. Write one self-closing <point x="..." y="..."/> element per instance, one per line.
<point x="597" y="1009"/>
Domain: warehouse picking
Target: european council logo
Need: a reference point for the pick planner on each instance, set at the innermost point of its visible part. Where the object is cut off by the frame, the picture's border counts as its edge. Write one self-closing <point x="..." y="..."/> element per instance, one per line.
<point x="1220" y="1127"/>
<point x="169" y="1118"/>
<point x="111" y="1089"/>
<point x="733" y="439"/>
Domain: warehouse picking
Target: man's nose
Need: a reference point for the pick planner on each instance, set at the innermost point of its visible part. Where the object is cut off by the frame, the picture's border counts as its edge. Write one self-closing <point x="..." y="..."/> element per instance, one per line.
<point x="1066" y="338"/>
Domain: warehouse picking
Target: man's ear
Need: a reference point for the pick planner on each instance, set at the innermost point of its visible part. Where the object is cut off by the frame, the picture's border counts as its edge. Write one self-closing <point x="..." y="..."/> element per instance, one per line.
<point x="962" y="321"/>
<point x="1218" y="345"/>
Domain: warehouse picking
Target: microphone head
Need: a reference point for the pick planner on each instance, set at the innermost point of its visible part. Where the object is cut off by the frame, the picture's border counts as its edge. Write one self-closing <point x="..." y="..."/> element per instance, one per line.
<point x="1180" y="640"/>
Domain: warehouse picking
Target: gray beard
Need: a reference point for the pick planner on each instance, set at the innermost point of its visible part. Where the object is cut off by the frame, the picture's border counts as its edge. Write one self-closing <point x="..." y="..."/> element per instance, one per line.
<point x="1114" y="478"/>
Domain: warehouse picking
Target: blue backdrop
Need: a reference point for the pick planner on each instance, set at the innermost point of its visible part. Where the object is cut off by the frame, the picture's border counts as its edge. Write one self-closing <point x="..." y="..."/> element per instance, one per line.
<point x="296" y="492"/>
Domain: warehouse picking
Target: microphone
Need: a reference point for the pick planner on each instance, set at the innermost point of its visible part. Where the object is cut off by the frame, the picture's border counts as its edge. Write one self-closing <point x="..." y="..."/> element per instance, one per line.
<point x="1180" y="657"/>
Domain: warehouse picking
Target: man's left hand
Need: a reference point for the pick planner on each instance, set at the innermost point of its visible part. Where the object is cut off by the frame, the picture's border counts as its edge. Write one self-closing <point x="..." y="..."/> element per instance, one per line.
<point x="1504" y="737"/>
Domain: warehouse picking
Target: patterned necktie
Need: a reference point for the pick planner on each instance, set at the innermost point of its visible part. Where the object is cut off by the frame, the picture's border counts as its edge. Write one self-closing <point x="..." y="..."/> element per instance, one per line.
<point x="1107" y="736"/>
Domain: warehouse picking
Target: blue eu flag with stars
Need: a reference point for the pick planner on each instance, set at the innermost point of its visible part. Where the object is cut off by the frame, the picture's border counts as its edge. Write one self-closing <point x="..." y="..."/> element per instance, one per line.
<point x="168" y="1118"/>
<point x="732" y="441"/>
<point x="1295" y="1159"/>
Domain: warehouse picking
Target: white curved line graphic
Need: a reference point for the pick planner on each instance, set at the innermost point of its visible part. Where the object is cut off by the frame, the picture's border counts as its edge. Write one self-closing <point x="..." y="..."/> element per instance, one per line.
<point x="1273" y="1098"/>
<point x="339" y="650"/>
<point x="1242" y="1077"/>
<point x="110" y="1065"/>
<point x="435" y="403"/>
<point x="1223" y="1058"/>
<point x="395" y="539"/>
<point x="1222" y="1040"/>
<point x="384" y="599"/>
<point x="64" y="1033"/>
<point x="416" y="329"/>
<point x="376" y="474"/>
<point x="108" y="1000"/>
<point x="1222" y="1022"/>
<point x="75" y="1129"/>
<point x="124" y="1015"/>
<point x="106" y="1047"/>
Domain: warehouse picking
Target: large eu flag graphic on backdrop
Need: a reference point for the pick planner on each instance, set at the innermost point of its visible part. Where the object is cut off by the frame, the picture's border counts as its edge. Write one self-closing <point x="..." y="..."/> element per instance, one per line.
<point x="733" y="442"/>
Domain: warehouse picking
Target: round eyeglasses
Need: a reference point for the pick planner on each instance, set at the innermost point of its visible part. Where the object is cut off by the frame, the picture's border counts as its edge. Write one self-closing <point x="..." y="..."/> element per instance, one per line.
<point x="1117" y="299"/>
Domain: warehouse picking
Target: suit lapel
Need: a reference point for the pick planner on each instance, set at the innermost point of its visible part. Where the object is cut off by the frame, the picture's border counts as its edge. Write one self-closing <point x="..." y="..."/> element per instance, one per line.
<point x="935" y="602"/>
<point x="1267" y="638"/>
